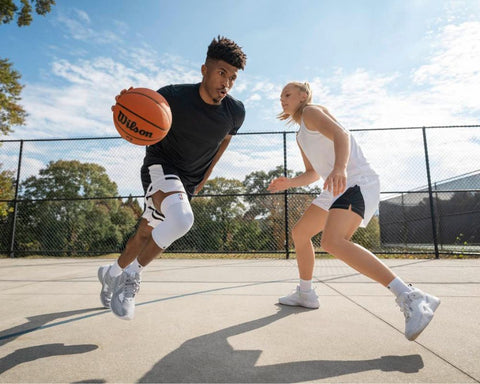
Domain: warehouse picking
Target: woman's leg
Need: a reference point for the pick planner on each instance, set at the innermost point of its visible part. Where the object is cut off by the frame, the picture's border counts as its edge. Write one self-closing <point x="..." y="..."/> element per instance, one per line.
<point x="340" y="226"/>
<point x="311" y="223"/>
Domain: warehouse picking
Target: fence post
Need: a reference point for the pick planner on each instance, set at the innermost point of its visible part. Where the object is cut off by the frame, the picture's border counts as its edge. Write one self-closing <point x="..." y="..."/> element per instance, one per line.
<point x="430" y="195"/>
<point x="15" y="203"/>
<point x="285" y="196"/>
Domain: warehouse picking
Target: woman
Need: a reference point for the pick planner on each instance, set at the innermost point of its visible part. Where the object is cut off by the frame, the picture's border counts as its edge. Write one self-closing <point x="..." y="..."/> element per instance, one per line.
<point x="350" y="196"/>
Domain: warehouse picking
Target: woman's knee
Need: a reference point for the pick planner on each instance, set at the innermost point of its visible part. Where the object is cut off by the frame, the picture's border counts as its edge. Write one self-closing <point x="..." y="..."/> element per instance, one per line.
<point x="299" y="234"/>
<point x="330" y="243"/>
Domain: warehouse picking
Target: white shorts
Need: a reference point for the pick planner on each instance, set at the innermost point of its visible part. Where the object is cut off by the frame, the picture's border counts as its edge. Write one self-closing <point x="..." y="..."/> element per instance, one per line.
<point x="370" y="192"/>
<point x="159" y="181"/>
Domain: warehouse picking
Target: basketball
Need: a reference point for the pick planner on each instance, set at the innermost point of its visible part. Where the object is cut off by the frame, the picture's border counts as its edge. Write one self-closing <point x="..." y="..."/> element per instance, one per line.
<point x="142" y="116"/>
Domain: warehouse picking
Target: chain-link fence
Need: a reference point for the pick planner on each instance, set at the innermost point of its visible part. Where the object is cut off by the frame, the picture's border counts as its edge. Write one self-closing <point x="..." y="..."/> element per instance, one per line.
<point x="84" y="196"/>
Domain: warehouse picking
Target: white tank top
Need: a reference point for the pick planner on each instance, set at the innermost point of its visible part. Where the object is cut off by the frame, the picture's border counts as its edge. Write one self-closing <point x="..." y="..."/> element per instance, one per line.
<point x="320" y="152"/>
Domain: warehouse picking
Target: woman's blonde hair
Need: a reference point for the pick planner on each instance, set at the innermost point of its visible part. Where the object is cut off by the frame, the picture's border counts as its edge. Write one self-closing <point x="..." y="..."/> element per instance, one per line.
<point x="297" y="116"/>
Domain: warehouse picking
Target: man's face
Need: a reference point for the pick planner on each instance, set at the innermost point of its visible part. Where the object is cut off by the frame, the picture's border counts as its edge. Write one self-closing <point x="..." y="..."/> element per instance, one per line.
<point x="218" y="80"/>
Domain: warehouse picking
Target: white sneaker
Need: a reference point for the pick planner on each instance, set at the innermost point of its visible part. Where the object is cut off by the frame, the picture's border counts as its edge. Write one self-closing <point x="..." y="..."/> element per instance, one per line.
<point x="108" y="285"/>
<point x="418" y="308"/>
<point x="123" y="299"/>
<point x="301" y="299"/>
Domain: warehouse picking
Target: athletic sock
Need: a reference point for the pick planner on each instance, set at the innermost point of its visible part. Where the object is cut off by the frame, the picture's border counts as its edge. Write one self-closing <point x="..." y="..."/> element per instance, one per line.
<point x="115" y="270"/>
<point x="397" y="286"/>
<point x="135" y="267"/>
<point x="305" y="285"/>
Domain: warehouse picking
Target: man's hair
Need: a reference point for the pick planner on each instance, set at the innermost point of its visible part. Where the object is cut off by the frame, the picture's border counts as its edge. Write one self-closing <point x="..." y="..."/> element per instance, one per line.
<point x="228" y="51"/>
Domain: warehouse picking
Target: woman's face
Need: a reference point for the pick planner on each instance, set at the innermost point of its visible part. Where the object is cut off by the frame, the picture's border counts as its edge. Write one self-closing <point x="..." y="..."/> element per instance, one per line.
<point x="291" y="98"/>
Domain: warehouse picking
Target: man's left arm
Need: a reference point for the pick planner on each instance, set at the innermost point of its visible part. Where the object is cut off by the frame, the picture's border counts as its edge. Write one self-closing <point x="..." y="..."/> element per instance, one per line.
<point x="223" y="146"/>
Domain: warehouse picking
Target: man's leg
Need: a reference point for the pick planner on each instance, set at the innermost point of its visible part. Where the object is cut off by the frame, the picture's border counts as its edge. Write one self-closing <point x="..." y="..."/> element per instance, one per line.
<point x="108" y="274"/>
<point x="175" y="220"/>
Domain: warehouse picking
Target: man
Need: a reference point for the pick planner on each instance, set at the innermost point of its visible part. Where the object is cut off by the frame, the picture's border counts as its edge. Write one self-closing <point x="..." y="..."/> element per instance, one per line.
<point x="204" y="119"/>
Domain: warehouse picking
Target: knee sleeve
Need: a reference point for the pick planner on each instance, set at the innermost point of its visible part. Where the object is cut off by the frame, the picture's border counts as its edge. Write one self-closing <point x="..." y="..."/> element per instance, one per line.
<point x="178" y="220"/>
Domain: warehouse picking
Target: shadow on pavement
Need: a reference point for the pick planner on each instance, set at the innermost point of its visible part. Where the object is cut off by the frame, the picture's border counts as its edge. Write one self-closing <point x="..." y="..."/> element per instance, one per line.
<point x="210" y="359"/>
<point x="24" y="355"/>
<point x="34" y="323"/>
<point x="37" y="322"/>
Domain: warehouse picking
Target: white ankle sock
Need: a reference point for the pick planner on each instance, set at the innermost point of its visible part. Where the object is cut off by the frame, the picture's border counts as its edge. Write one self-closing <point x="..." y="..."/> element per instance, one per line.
<point x="115" y="270"/>
<point x="397" y="286"/>
<point x="305" y="285"/>
<point x="135" y="267"/>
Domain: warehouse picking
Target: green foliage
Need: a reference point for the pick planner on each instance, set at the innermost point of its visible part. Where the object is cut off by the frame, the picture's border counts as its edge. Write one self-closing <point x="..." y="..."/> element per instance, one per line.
<point x="57" y="216"/>
<point x="23" y="10"/>
<point x="368" y="237"/>
<point x="216" y="218"/>
<point x="234" y="221"/>
<point x="7" y="192"/>
<point x="11" y="113"/>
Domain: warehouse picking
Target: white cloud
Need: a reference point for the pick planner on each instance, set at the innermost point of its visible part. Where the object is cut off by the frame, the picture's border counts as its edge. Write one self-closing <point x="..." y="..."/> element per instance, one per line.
<point x="78" y="26"/>
<point x="453" y="74"/>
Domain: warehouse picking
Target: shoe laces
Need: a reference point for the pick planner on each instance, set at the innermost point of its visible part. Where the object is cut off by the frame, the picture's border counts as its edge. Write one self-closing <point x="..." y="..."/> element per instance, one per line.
<point x="132" y="285"/>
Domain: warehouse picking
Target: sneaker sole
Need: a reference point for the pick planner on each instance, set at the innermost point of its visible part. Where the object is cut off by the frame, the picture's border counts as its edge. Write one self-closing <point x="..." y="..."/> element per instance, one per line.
<point x="433" y="305"/>
<point x="291" y="304"/>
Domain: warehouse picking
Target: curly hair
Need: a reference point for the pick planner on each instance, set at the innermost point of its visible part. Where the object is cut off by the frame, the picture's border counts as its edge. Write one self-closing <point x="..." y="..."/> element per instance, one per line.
<point x="227" y="50"/>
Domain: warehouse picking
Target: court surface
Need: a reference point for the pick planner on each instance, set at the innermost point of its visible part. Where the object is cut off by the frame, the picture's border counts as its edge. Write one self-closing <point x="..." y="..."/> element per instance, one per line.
<point x="217" y="321"/>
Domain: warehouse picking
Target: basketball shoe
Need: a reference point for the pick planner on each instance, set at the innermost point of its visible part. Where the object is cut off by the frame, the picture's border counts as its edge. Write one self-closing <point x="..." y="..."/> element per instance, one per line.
<point x="301" y="299"/>
<point x="108" y="285"/>
<point x="123" y="299"/>
<point x="418" y="308"/>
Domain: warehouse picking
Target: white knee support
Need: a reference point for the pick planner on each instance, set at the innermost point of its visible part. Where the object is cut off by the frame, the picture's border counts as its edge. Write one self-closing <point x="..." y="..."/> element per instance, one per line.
<point x="178" y="220"/>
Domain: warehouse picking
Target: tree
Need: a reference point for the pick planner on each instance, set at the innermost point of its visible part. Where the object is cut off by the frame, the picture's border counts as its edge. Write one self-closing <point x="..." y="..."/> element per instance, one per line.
<point x="217" y="218"/>
<point x="7" y="191"/>
<point x="11" y="113"/>
<point x="269" y="209"/>
<point x="57" y="216"/>
<point x="9" y="9"/>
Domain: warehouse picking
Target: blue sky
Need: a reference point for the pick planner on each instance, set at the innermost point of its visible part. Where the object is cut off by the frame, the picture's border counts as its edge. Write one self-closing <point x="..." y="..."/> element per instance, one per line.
<point x="373" y="63"/>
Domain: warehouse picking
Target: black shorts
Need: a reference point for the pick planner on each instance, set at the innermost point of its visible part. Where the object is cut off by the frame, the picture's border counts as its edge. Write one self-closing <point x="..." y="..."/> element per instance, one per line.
<point x="352" y="197"/>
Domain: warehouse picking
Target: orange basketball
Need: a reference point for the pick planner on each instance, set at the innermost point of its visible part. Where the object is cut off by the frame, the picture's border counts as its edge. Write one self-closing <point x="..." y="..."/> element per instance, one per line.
<point x="142" y="116"/>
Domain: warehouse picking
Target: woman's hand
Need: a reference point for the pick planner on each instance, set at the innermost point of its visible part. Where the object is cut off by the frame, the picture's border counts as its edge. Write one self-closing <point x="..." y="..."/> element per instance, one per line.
<point x="336" y="182"/>
<point x="279" y="184"/>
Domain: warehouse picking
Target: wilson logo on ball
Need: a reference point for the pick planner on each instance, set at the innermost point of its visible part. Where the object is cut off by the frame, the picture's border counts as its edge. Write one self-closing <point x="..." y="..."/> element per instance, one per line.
<point x="142" y="116"/>
<point x="131" y="125"/>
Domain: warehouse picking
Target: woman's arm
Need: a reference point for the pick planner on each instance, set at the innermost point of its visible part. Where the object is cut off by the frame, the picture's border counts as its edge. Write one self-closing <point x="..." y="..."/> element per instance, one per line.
<point x="282" y="183"/>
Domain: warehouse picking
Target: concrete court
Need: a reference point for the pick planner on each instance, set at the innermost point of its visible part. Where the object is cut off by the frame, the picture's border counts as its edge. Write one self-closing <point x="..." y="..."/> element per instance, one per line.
<point x="216" y="321"/>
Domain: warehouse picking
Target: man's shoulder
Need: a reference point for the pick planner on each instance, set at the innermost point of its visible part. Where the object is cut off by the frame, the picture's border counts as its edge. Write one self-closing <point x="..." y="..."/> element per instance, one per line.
<point x="178" y="89"/>
<point x="235" y="104"/>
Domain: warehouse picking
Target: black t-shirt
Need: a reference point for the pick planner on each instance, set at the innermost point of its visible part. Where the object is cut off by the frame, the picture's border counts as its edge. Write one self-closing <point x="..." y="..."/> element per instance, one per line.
<point x="196" y="133"/>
